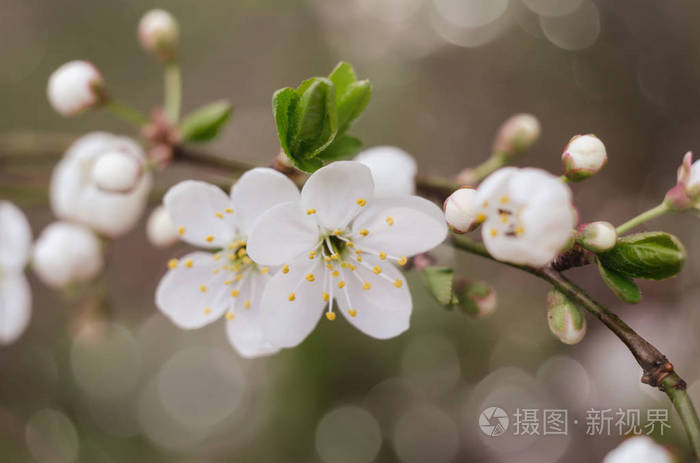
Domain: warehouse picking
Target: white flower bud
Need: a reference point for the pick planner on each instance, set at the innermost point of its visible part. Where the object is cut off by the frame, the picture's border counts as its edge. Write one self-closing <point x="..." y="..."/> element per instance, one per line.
<point x="160" y="230"/>
<point x="75" y="87"/>
<point x="66" y="253"/>
<point x="565" y="320"/>
<point x="393" y="170"/>
<point x="158" y="33"/>
<point x="583" y="157"/>
<point x="461" y="211"/>
<point x="117" y="172"/>
<point x="597" y="236"/>
<point x="637" y="449"/>
<point x="517" y="134"/>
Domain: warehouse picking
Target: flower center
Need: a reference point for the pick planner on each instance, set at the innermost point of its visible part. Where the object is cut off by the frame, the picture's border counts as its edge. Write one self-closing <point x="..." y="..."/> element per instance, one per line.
<point x="504" y="218"/>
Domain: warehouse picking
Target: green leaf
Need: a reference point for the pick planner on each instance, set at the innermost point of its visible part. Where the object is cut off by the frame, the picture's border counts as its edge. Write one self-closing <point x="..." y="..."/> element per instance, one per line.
<point x="352" y="103"/>
<point x="342" y="76"/>
<point x="624" y="287"/>
<point x="342" y="147"/>
<point x="315" y="119"/>
<point x="438" y="280"/>
<point x="651" y="255"/>
<point x="283" y="102"/>
<point x="205" y="123"/>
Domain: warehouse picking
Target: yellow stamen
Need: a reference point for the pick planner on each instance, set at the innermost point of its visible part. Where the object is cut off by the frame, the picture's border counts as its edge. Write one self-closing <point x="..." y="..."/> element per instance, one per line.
<point x="292" y="296"/>
<point x="285" y="269"/>
<point x="335" y="273"/>
<point x="238" y="277"/>
<point x="264" y="270"/>
<point x="486" y="204"/>
<point x="361" y="202"/>
<point x="330" y="316"/>
<point x="207" y="311"/>
<point x="337" y="232"/>
<point x="241" y="252"/>
<point x="310" y="211"/>
<point x="246" y="304"/>
<point x="235" y="293"/>
<point x="504" y="199"/>
<point x="312" y="254"/>
<point x="228" y="210"/>
<point x="377" y="269"/>
<point x="402" y="260"/>
<point x="326" y="297"/>
<point x="209" y="238"/>
<point x="228" y="282"/>
<point x="398" y="283"/>
<point x="180" y="231"/>
<point x="366" y="285"/>
<point x="504" y="218"/>
<point x="240" y="243"/>
<point x="382" y="255"/>
<point x="341" y="284"/>
<point x="231" y="256"/>
<point x="247" y="260"/>
<point x="352" y="312"/>
<point x="493" y="232"/>
<point x="172" y="263"/>
<point x="480" y="218"/>
<point x="519" y="231"/>
<point x="390" y="221"/>
<point x="351" y="244"/>
<point x="217" y="256"/>
<point x="230" y="316"/>
<point x="220" y="215"/>
<point x="203" y="288"/>
<point x="364" y="232"/>
<point x="189" y="263"/>
<point x="215" y="271"/>
<point x="310" y="277"/>
<point x="351" y="267"/>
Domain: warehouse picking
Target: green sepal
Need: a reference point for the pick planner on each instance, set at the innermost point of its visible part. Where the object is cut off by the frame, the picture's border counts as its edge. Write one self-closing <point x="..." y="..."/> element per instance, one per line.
<point x="205" y="123"/>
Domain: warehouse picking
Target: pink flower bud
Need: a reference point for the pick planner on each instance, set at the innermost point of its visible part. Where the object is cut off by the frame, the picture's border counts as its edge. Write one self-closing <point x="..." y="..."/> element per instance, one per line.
<point x="583" y="157"/>
<point x="75" y="87"/>
<point x="517" y="134"/>
<point x="686" y="193"/>
<point x="461" y="211"/>
<point x="158" y="33"/>
<point x="597" y="236"/>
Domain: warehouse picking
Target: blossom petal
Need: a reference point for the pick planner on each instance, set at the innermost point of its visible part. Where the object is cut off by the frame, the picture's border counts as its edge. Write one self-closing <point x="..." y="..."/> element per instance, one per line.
<point x="494" y="186"/>
<point x="15" y="306"/>
<point x="402" y="226"/>
<point x="194" y="205"/>
<point x="180" y="293"/>
<point x="257" y="191"/>
<point x="287" y="323"/>
<point x="244" y="329"/>
<point x="337" y="193"/>
<point x="384" y="310"/>
<point x="281" y="234"/>
<point x="15" y="237"/>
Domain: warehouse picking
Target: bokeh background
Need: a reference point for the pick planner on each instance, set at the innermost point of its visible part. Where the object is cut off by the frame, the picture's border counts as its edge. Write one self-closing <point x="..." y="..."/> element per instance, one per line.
<point x="101" y="376"/>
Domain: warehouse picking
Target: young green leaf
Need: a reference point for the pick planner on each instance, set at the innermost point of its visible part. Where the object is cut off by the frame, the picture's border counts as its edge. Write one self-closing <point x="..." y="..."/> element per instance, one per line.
<point x="342" y="147"/>
<point x="438" y="280"/>
<point x="352" y="103"/>
<point x="205" y="123"/>
<point x="342" y="76"/>
<point x="283" y="103"/>
<point x="650" y="255"/>
<point x="624" y="287"/>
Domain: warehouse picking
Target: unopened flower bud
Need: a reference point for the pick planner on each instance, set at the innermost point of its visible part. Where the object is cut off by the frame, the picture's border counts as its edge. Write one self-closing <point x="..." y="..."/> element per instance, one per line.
<point x="160" y="229"/>
<point x="158" y="33"/>
<point x="597" y="236"/>
<point x="66" y="253"/>
<point x="517" y="134"/>
<point x="393" y="170"/>
<point x="565" y="320"/>
<point x="583" y="157"/>
<point x="117" y="172"/>
<point x="75" y="87"/>
<point x="477" y="298"/>
<point x="461" y="211"/>
<point x="686" y="193"/>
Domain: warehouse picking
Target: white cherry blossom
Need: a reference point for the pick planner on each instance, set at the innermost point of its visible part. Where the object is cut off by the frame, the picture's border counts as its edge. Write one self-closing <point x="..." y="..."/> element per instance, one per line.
<point x="66" y="253"/>
<point x="75" y="87"/>
<point x="337" y="244"/>
<point x="528" y="214"/>
<point x="201" y="287"/>
<point x="393" y="170"/>
<point x="158" y="33"/>
<point x="639" y="449"/>
<point x="15" y="294"/>
<point x="77" y="197"/>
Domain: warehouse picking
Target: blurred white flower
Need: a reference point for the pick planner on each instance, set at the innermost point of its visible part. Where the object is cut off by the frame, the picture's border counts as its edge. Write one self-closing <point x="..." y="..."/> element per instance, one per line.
<point x="337" y="242"/>
<point x="597" y="236"/>
<point x="74" y="87"/>
<point x="517" y="134"/>
<point x="66" y="253"/>
<point x="117" y="172"/>
<point x="461" y="210"/>
<point x="15" y="294"/>
<point x="393" y="170"/>
<point x="583" y="157"/>
<point x="565" y="320"/>
<point x="201" y="287"/>
<point x="160" y="230"/>
<point x="76" y="196"/>
<point x="158" y="33"/>
<point x="639" y="449"/>
<point x="529" y="217"/>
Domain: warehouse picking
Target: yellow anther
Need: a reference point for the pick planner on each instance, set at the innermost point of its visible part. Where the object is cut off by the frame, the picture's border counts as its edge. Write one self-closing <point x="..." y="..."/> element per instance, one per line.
<point x="180" y="231"/>
<point x="240" y="243"/>
<point x="189" y="263"/>
<point x="504" y="199"/>
<point x="209" y="238"/>
<point x="364" y="232"/>
<point x="231" y="256"/>
<point x="359" y="258"/>
<point x="285" y="269"/>
<point x="230" y="316"/>
<point x="326" y="297"/>
<point x="310" y="277"/>
<point x="207" y="311"/>
<point x="327" y="258"/>
<point x="172" y="263"/>
<point x="486" y="204"/>
<point x="402" y="260"/>
<point x="390" y="221"/>
<point x="398" y="283"/>
<point x="264" y="270"/>
<point x="220" y="215"/>
<point x="377" y="269"/>
<point x="504" y="218"/>
<point x="292" y="296"/>
<point x="351" y="244"/>
<point x="519" y="230"/>
<point x="238" y="277"/>
<point x="228" y="282"/>
<point x="352" y="312"/>
<point x="231" y="246"/>
<point x="341" y="284"/>
<point x="228" y="210"/>
<point x="330" y="267"/>
<point x="241" y="252"/>
<point x="310" y="211"/>
<point x="330" y="316"/>
<point x="480" y="218"/>
<point x="366" y="285"/>
<point x="247" y="260"/>
<point x="361" y="202"/>
<point x="203" y="288"/>
<point x="217" y="256"/>
<point x="335" y="273"/>
<point x="235" y="293"/>
<point x="312" y="254"/>
<point x="382" y="255"/>
<point x="351" y="267"/>
<point x="334" y="257"/>
<point x="215" y="271"/>
<point x="246" y="304"/>
<point x="493" y="232"/>
<point x="337" y="232"/>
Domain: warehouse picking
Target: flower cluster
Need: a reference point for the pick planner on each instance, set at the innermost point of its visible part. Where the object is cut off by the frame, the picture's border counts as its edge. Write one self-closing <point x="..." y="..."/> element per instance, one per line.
<point x="281" y="258"/>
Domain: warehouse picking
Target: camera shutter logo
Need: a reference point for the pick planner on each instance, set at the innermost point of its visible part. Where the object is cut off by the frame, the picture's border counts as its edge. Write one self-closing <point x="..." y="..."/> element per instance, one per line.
<point x="493" y="421"/>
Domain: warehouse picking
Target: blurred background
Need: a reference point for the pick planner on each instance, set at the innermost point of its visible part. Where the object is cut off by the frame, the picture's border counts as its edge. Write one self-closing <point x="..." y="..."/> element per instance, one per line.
<point x="110" y="379"/>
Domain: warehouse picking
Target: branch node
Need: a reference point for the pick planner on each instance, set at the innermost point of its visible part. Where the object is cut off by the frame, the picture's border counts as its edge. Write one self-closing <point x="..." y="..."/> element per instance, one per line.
<point x="655" y="375"/>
